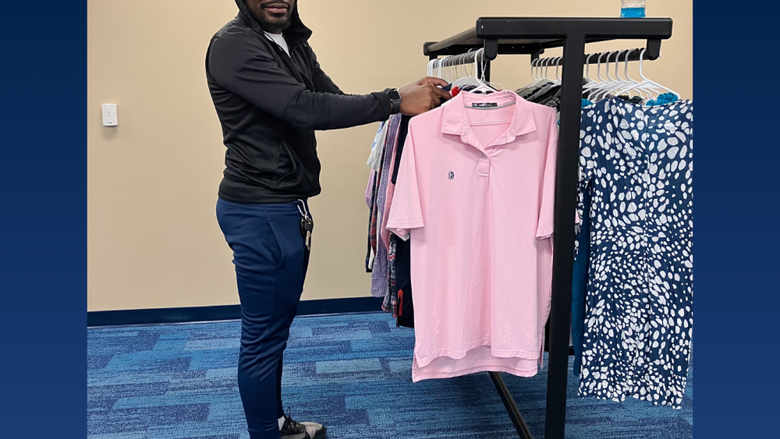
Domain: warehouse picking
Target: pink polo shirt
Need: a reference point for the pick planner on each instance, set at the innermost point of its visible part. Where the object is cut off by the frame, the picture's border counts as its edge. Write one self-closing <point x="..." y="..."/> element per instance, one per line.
<point x="475" y="193"/>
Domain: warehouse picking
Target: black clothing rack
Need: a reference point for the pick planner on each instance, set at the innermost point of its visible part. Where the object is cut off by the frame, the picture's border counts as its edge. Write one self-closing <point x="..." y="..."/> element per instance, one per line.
<point x="531" y="36"/>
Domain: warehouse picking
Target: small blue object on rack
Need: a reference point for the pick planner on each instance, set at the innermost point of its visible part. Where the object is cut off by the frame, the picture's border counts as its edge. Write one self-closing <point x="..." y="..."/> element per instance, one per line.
<point x="632" y="8"/>
<point x="632" y="12"/>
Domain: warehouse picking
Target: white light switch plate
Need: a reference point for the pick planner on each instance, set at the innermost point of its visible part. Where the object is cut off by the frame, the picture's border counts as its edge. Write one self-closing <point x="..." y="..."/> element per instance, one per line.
<point x="109" y="115"/>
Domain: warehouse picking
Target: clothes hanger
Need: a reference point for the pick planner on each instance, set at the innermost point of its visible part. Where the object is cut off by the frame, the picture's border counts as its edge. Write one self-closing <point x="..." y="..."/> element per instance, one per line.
<point x="535" y="75"/>
<point x="524" y="89"/>
<point x="604" y="85"/>
<point x="640" y="86"/>
<point x="648" y="84"/>
<point x="542" y="66"/>
<point x="632" y="81"/>
<point x="593" y="88"/>
<point x="540" y="63"/>
<point x="446" y="68"/>
<point x="536" y="70"/>
<point x="484" y="86"/>
<point x="452" y="69"/>
<point x="604" y="89"/>
<point x="557" y="66"/>
<point x="467" y="80"/>
<point x="547" y="68"/>
<point x="619" y="82"/>
<point x="547" y="84"/>
<point x="591" y="83"/>
<point x="628" y="81"/>
<point x="460" y="82"/>
<point x="467" y="72"/>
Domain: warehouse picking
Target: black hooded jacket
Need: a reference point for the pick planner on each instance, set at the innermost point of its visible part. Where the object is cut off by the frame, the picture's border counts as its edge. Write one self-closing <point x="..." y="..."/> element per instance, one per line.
<point x="270" y="104"/>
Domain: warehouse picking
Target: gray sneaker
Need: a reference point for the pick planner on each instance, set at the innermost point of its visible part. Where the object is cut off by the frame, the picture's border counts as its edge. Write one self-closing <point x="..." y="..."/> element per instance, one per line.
<point x="302" y="430"/>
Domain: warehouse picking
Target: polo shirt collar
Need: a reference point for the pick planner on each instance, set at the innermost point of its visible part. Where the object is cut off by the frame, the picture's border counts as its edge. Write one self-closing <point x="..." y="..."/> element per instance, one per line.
<point x="455" y="121"/>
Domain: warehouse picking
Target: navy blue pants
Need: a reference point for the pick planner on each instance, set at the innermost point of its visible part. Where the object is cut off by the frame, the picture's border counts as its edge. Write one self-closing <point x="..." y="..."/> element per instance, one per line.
<point x="271" y="259"/>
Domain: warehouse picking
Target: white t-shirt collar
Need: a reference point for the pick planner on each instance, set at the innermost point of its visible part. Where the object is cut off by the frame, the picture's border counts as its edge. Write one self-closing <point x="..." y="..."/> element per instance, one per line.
<point x="279" y="39"/>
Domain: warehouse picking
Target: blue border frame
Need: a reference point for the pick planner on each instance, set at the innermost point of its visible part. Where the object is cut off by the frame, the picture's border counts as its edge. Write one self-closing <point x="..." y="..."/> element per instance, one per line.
<point x="225" y="312"/>
<point x="43" y="244"/>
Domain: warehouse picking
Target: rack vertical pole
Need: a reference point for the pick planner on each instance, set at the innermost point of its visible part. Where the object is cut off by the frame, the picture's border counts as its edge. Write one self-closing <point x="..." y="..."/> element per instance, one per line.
<point x="563" y="252"/>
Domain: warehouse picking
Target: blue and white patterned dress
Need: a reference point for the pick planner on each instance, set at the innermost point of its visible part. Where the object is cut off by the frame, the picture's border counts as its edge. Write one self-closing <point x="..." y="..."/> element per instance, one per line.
<point x="637" y="165"/>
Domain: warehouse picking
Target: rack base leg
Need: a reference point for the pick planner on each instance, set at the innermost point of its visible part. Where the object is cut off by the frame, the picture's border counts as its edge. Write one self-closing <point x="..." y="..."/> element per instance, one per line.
<point x="511" y="407"/>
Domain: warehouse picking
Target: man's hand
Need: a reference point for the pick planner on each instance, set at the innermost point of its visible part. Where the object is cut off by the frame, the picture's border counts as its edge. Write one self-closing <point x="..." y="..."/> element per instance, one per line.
<point x="422" y="96"/>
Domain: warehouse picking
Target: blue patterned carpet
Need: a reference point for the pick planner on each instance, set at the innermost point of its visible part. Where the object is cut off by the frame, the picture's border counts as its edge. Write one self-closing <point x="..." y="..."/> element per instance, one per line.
<point x="352" y="373"/>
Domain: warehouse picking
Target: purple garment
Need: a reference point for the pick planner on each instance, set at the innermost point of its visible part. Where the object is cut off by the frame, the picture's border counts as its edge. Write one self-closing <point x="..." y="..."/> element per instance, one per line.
<point x="379" y="273"/>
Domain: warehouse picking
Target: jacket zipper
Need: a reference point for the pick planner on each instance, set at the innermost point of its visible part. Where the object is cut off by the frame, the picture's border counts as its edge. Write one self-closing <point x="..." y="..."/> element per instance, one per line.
<point x="289" y="60"/>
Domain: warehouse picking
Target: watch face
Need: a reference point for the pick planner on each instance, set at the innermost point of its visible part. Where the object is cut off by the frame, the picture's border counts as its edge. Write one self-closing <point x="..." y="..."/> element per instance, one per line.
<point x="395" y="95"/>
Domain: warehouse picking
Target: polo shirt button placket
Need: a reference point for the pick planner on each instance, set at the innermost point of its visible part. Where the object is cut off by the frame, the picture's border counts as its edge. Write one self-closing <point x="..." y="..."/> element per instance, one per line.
<point x="483" y="169"/>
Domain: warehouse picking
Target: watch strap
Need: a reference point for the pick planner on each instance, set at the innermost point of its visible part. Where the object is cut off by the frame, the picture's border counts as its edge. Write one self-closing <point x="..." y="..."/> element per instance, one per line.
<point x="395" y="100"/>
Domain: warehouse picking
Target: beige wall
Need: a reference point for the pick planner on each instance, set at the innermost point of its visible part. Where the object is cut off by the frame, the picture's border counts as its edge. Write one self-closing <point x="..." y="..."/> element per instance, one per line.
<point x="153" y="236"/>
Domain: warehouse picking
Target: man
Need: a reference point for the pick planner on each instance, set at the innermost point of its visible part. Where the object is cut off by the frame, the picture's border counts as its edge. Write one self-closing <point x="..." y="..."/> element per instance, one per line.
<point x="271" y="95"/>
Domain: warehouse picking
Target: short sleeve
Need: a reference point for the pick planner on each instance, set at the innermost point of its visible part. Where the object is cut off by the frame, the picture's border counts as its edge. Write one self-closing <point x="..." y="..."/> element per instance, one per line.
<point x="545" y="224"/>
<point x="406" y="210"/>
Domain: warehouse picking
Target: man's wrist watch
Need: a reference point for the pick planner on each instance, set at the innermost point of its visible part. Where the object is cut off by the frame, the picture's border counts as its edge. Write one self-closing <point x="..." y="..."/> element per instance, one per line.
<point x="395" y="99"/>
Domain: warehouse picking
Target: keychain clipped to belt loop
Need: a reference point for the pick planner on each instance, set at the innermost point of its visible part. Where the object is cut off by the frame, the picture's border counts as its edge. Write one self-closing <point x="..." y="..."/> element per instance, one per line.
<point x="307" y="224"/>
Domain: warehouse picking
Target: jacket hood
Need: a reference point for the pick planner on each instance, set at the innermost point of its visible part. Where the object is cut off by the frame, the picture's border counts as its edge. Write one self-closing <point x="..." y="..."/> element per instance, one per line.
<point x="296" y="25"/>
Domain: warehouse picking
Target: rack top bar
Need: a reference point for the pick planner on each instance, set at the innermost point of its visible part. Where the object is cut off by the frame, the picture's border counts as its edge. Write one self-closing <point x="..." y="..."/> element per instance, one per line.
<point x="530" y="34"/>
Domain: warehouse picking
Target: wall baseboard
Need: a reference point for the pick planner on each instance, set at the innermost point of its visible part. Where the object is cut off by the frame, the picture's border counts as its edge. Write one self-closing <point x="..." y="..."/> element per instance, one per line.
<point x="226" y="312"/>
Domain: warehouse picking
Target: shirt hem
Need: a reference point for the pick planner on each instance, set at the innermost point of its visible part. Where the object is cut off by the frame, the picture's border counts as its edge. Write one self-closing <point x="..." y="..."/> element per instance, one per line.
<point x="413" y="224"/>
<point x="461" y="354"/>
<point x="429" y="375"/>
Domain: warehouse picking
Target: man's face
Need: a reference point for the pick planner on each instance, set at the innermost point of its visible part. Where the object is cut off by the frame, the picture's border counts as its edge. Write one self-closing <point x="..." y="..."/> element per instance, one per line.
<point x="273" y="15"/>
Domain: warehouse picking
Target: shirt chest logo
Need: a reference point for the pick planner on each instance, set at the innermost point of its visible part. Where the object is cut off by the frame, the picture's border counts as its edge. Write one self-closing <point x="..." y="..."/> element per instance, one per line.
<point x="451" y="175"/>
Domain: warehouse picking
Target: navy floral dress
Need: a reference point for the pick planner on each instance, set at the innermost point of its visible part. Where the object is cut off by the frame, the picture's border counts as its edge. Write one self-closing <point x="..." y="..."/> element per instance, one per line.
<point x="636" y="163"/>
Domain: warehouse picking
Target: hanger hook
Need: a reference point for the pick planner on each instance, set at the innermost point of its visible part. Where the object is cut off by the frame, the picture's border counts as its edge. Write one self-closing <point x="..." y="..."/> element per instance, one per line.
<point x="484" y="65"/>
<point x="462" y="66"/>
<point x="476" y="61"/>
<point x="537" y="70"/>
<point x="641" y="63"/>
<point x="471" y="66"/>
<point x="628" y="55"/>
<point x="587" y="66"/>
<point x="598" y="68"/>
<point x="606" y="70"/>
<point x="617" y="63"/>
<point x="459" y="66"/>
